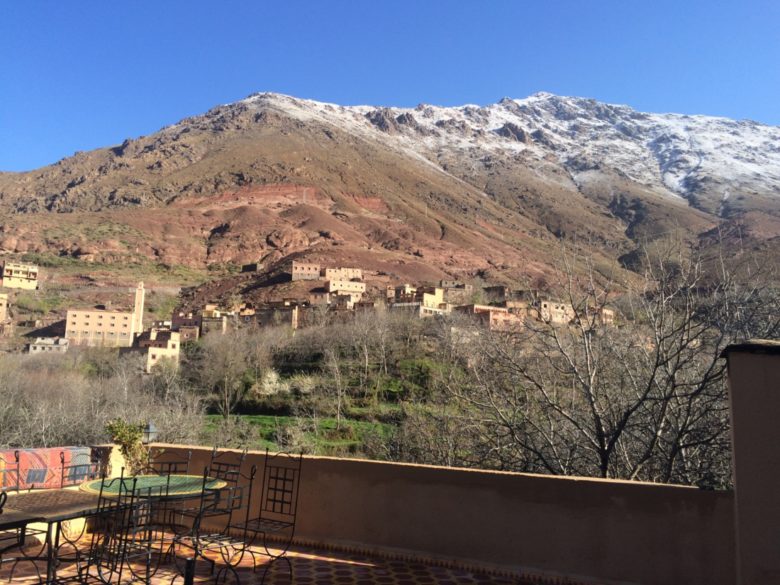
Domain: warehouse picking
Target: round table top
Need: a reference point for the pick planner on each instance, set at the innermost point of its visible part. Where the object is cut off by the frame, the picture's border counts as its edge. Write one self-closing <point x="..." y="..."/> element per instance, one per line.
<point x="178" y="484"/>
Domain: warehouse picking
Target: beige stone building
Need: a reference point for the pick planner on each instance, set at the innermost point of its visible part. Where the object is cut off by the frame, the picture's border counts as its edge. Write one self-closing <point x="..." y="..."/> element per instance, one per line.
<point x="49" y="345"/>
<point x="346" y="286"/>
<point x="343" y="274"/>
<point x="3" y="307"/>
<point x="556" y="312"/>
<point x="606" y="316"/>
<point x="160" y="344"/>
<point x="430" y="296"/>
<point x="457" y="292"/>
<point x="345" y="300"/>
<point x="182" y="319"/>
<point x="99" y="327"/>
<point x="494" y="318"/>
<point x="275" y="316"/>
<point x="319" y="297"/>
<point x="404" y="293"/>
<point x="17" y="275"/>
<point x="304" y="271"/>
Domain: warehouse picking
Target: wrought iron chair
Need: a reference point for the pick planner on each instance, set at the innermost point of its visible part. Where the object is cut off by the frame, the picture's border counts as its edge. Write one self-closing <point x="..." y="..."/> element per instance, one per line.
<point x="224" y="465"/>
<point x="12" y="538"/>
<point x="214" y="504"/>
<point x="277" y="509"/>
<point x="169" y="460"/>
<point x="77" y="473"/>
<point x="9" y="473"/>
<point x="124" y="543"/>
<point x="16" y="540"/>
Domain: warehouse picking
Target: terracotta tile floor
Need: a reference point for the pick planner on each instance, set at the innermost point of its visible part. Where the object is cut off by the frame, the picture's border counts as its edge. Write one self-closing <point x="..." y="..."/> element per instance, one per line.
<point x="312" y="567"/>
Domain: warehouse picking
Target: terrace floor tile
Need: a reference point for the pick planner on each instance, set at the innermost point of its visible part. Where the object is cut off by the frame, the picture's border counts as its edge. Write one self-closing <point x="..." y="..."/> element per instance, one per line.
<point x="310" y="567"/>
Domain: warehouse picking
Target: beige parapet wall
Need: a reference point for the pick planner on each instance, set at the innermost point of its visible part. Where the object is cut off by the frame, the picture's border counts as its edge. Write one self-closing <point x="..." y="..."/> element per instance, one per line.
<point x="586" y="530"/>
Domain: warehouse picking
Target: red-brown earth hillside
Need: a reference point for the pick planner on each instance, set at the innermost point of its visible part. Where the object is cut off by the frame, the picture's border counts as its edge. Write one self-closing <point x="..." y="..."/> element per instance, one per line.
<point x="420" y="194"/>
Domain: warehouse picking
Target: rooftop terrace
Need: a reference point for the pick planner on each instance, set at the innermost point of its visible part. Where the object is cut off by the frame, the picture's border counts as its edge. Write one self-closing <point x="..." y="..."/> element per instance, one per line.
<point x="367" y="522"/>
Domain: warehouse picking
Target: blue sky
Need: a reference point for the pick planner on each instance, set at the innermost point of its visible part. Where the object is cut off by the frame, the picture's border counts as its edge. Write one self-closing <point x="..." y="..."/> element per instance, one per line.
<point x="79" y="75"/>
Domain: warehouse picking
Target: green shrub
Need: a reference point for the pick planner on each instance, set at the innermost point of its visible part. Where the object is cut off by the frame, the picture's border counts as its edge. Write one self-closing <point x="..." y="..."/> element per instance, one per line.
<point x="129" y="438"/>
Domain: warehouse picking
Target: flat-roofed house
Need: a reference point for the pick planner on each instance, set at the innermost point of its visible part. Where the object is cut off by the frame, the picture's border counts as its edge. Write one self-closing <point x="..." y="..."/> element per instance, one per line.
<point x="346" y="286"/>
<point x="100" y="327"/>
<point x="304" y="270"/>
<point x="343" y="274"/>
<point x="556" y="312"/>
<point x="49" y="345"/>
<point x="160" y="344"/>
<point x="494" y="318"/>
<point x="17" y="275"/>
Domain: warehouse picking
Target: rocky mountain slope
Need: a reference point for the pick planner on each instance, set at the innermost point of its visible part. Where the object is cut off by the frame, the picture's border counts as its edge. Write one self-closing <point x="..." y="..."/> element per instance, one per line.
<point x="418" y="193"/>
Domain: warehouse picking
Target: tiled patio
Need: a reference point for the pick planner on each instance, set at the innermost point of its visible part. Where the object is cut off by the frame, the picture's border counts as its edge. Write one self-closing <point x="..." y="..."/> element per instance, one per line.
<point x="312" y="567"/>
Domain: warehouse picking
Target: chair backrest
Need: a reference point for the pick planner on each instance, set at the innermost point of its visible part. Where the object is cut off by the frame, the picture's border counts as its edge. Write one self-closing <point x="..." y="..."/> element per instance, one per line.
<point x="109" y="522"/>
<point x="281" y="483"/>
<point x="165" y="460"/>
<point x="125" y="520"/>
<point x="226" y="465"/>
<point x="9" y="473"/>
<point x="77" y="473"/>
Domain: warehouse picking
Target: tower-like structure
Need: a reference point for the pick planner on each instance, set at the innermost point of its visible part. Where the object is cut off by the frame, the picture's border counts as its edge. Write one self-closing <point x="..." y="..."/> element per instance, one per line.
<point x="138" y="309"/>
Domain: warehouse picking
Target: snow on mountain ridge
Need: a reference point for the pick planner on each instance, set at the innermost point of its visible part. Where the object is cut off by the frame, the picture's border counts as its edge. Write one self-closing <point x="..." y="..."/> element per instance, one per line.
<point x="675" y="153"/>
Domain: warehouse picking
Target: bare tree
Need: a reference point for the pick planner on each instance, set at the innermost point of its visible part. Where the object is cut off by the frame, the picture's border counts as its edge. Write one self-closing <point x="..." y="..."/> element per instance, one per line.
<point x="221" y="367"/>
<point x="645" y="400"/>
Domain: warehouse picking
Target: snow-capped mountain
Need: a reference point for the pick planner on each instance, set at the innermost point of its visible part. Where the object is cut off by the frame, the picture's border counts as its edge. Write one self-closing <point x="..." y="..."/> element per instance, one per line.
<point x="481" y="190"/>
<point x="704" y="159"/>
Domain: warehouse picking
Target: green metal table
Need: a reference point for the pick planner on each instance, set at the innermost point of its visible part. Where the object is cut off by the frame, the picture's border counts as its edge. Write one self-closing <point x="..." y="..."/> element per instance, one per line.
<point x="179" y="485"/>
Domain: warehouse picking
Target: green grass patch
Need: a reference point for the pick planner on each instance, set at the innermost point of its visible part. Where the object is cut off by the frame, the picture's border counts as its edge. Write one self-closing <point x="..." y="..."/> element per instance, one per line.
<point x="132" y="267"/>
<point x="330" y="438"/>
<point x="37" y="302"/>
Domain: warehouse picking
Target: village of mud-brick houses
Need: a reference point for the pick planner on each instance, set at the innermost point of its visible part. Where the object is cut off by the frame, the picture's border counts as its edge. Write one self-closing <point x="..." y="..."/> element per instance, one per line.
<point x="334" y="290"/>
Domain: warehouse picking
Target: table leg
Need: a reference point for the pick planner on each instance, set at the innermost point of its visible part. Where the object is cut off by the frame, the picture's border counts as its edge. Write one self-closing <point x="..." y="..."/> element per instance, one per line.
<point x="53" y="543"/>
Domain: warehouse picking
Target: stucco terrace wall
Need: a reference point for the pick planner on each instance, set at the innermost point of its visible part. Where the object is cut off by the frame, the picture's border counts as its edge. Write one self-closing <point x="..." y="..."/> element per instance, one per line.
<point x="587" y="530"/>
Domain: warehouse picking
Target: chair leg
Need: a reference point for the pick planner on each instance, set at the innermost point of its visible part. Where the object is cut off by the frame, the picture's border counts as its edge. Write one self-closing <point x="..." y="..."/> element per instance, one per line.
<point x="223" y="573"/>
<point x="273" y="560"/>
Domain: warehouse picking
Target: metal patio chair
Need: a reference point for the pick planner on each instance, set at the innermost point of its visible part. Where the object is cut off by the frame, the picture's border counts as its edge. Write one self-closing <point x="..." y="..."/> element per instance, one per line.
<point x="214" y="505"/>
<point x="223" y="465"/>
<point x="168" y="460"/>
<point x="16" y="540"/>
<point x="43" y="478"/>
<point x="77" y="473"/>
<point x="125" y="546"/>
<point x="277" y="513"/>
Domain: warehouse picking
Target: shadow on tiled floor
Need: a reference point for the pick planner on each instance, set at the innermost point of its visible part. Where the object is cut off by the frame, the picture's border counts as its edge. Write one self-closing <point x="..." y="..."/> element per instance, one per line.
<point x="310" y="567"/>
